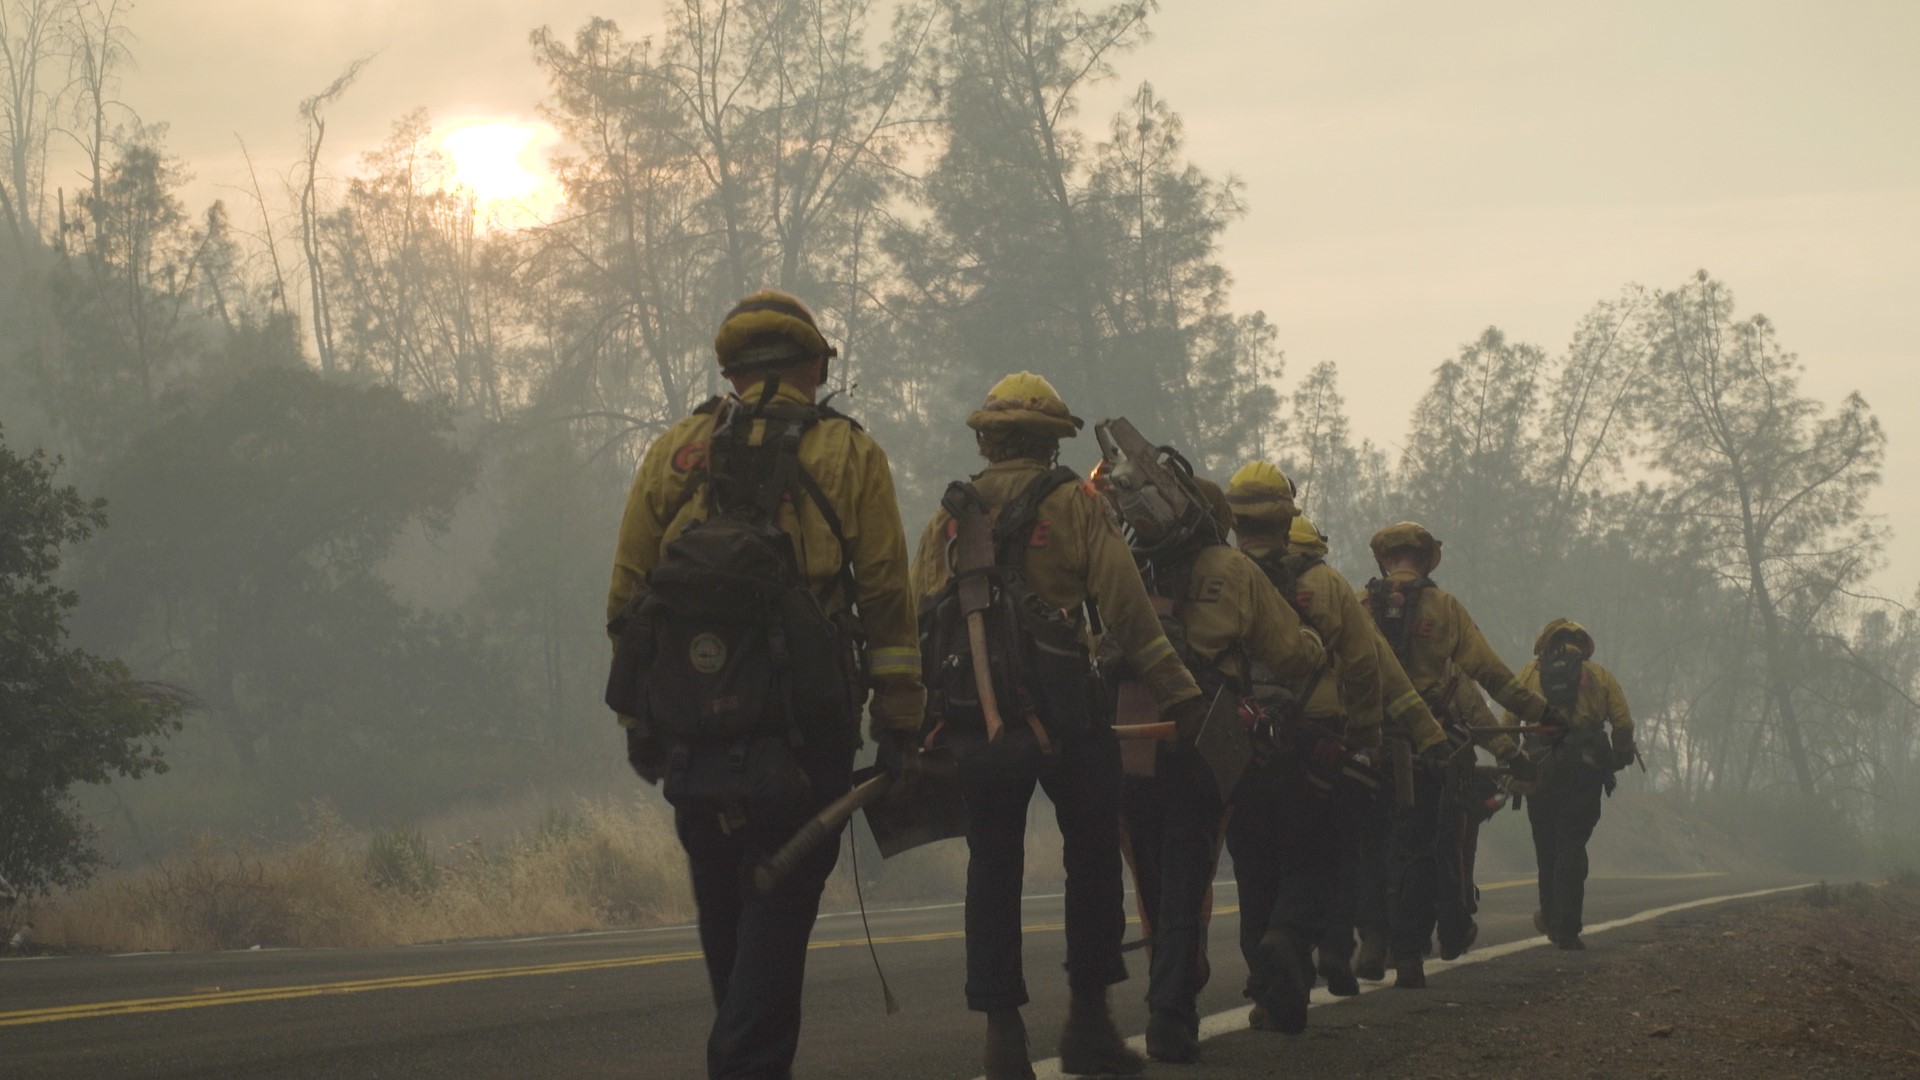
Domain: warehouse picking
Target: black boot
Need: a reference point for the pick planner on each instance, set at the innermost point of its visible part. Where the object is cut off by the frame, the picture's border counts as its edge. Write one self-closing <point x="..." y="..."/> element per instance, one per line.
<point x="1451" y="946"/>
<point x="1290" y="981"/>
<point x="1006" y="1056"/>
<point x="1170" y="1038"/>
<point x="1339" y="975"/>
<point x="1090" y="1045"/>
<point x="1410" y="973"/>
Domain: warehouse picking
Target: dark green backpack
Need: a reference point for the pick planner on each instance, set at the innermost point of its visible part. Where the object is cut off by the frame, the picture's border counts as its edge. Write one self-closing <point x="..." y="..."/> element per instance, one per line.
<point x="728" y="655"/>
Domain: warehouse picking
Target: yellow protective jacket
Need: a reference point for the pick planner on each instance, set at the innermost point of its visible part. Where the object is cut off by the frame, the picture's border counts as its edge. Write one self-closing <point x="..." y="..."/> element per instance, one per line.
<point x="853" y="473"/>
<point x="1076" y="555"/>
<point x="1233" y="614"/>
<point x="1448" y="644"/>
<point x="1350" y="691"/>
<point x="1407" y="712"/>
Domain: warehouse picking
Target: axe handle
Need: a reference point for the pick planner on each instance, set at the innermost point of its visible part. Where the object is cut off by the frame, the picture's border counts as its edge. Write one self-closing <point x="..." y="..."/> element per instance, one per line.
<point x="1164" y="731"/>
<point x="983" y="674"/>
<point x="816" y="831"/>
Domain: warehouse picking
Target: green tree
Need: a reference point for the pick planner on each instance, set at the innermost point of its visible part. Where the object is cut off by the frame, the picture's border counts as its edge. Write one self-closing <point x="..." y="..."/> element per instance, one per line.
<point x="67" y="717"/>
<point x="1768" y="488"/>
<point x="255" y="516"/>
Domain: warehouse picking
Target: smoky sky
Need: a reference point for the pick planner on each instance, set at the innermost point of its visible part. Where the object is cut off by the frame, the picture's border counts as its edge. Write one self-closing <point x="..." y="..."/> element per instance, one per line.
<point x="1415" y="171"/>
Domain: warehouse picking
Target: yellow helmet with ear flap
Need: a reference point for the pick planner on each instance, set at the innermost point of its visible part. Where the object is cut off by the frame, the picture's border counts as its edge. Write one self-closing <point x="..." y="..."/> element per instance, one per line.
<point x="1025" y="402"/>
<point x="769" y="329"/>
<point x="1407" y="534"/>
<point x="1259" y="491"/>
<point x="1304" y="539"/>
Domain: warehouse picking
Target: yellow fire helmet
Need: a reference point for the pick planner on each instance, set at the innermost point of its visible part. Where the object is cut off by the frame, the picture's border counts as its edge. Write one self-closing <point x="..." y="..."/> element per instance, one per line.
<point x="1304" y="539"/>
<point x="1259" y="491"/>
<point x="768" y="329"/>
<point x="1025" y="402"/>
<point x="1407" y="534"/>
<point x="1564" y="632"/>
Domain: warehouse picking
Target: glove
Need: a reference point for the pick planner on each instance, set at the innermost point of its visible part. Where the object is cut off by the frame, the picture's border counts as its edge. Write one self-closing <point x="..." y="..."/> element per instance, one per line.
<point x="647" y="755"/>
<point x="1438" y="753"/>
<point x="1522" y="768"/>
<point x="1187" y="716"/>
<point x="1555" y="716"/>
<point x="895" y="748"/>
<point x="1624" y="754"/>
<point x="1328" y="757"/>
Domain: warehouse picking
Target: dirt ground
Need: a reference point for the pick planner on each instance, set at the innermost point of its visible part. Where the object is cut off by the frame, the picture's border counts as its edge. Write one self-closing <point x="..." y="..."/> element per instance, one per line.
<point x="1824" y="983"/>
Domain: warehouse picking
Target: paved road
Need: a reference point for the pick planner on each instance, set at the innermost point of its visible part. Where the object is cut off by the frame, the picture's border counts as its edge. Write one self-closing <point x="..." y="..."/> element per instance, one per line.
<point x="628" y="1004"/>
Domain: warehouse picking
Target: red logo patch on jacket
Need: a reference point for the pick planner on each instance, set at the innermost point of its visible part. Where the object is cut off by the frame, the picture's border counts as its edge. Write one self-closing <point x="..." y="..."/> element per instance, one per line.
<point x="689" y="457"/>
<point x="1423" y="628"/>
<point x="1303" y="599"/>
<point x="1042" y="534"/>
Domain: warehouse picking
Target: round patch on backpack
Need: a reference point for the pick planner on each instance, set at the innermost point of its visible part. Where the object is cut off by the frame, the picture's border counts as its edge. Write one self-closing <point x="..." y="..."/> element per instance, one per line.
<point x="707" y="653"/>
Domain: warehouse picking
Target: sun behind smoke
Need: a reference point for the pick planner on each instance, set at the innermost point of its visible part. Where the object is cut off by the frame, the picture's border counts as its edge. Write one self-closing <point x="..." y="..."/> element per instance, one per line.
<point x="498" y="163"/>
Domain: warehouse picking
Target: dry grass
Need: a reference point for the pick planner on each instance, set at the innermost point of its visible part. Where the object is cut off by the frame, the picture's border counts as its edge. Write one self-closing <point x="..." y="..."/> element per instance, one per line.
<point x="601" y="863"/>
<point x="503" y="870"/>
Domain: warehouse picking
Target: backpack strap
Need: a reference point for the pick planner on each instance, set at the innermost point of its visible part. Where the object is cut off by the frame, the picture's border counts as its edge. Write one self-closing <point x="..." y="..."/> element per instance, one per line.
<point x="1013" y="531"/>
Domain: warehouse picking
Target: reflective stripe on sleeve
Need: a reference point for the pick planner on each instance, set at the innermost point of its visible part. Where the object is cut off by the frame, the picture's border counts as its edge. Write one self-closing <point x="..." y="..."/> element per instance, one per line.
<point x="1401" y="704"/>
<point x="1155" y="651"/>
<point x="898" y="660"/>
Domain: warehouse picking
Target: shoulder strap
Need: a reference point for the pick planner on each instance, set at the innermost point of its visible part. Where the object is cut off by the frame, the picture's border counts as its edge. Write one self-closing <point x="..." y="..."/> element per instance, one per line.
<point x="1013" y="531"/>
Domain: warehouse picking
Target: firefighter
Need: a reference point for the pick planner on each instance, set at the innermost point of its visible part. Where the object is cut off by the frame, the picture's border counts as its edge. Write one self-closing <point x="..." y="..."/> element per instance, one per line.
<point x="1345" y="702"/>
<point x="1225" y="619"/>
<point x="1438" y="645"/>
<point x="1575" y="769"/>
<point x="850" y="555"/>
<point x="1073" y="559"/>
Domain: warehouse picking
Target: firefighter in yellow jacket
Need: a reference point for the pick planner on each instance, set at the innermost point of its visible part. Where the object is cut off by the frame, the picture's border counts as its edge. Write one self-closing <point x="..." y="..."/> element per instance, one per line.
<point x="1075" y="563"/>
<point x="1227" y="620"/>
<point x="1345" y="701"/>
<point x="831" y="493"/>
<point x="1577" y="766"/>
<point x="1438" y="644"/>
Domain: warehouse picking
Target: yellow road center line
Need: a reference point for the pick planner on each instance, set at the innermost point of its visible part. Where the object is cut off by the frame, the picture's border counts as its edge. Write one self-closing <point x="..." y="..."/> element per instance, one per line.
<point x="202" y="1000"/>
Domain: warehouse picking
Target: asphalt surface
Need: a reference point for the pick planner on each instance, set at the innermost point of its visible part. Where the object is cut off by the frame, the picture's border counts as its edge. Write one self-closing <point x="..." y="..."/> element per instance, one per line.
<point x="635" y="1003"/>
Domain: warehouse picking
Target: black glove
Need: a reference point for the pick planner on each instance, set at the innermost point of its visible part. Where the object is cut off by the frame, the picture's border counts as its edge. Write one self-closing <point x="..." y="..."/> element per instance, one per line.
<point x="1438" y="753"/>
<point x="647" y="755"/>
<point x="895" y="748"/>
<point x="1522" y="768"/>
<point x="1188" y="717"/>
<point x="1327" y="758"/>
<point x="1555" y="716"/>
<point x="1624" y="754"/>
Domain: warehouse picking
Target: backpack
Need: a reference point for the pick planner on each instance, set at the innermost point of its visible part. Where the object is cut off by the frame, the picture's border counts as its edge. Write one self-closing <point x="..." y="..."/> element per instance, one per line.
<point x="1395" y="607"/>
<point x="1560" y="677"/>
<point x="728" y="655"/>
<point x="1042" y="673"/>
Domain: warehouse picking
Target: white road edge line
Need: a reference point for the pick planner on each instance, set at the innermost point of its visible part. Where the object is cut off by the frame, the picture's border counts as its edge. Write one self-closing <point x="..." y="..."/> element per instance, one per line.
<point x="1223" y="1023"/>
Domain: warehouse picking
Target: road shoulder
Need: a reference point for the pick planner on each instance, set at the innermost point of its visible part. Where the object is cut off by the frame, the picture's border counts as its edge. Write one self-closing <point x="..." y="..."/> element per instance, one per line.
<point x="1825" y="982"/>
